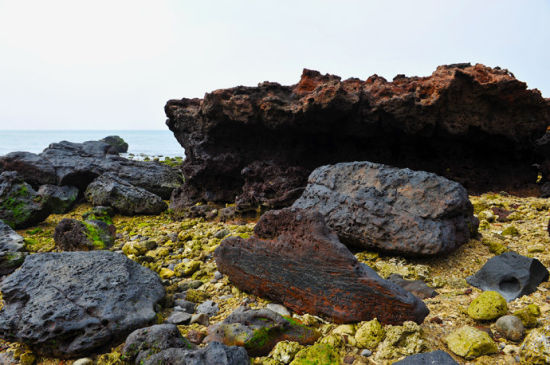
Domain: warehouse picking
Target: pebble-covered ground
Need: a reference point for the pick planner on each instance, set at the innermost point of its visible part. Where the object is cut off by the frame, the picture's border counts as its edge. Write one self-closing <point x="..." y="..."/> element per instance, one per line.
<point x="181" y="252"/>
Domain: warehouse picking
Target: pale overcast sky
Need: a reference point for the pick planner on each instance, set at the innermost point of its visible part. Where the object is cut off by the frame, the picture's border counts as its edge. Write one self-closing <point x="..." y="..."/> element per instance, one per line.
<point x="113" y="64"/>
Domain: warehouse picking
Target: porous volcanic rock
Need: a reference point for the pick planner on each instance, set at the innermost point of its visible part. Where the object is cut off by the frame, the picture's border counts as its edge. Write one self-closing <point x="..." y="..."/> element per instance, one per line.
<point x="510" y="274"/>
<point x="109" y="190"/>
<point x="78" y="164"/>
<point x="428" y="358"/>
<point x="119" y="144"/>
<point x="11" y="249"/>
<point x="390" y="209"/>
<point x="20" y="205"/>
<point x="214" y="353"/>
<point x="58" y="199"/>
<point x="473" y="124"/>
<point x="71" y="304"/>
<point x="74" y="235"/>
<point x="294" y="259"/>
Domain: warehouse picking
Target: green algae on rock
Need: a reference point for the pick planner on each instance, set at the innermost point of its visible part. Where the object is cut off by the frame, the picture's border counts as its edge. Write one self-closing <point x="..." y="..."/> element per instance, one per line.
<point x="535" y="349"/>
<point x="402" y="340"/>
<point x="285" y="351"/>
<point x="470" y="342"/>
<point x="487" y="306"/>
<point x="369" y="334"/>
<point x="318" y="354"/>
<point x="529" y="315"/>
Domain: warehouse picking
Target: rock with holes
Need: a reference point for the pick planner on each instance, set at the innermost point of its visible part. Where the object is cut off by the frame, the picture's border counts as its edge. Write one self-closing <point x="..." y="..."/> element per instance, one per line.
<point x="110" y="190"/>
<point x="59" y="199"/>
<point x="72" y="304"/>
<point x="386" y="208"/>
<point x="11" y="249"/>
<point x="510" y="274"/>
<point x="428" y="358"/>
<point x="295" y="259"/>
<point x="34" y="169"/>
<point x="74" y="235"/>
<point x="215" y="353"/>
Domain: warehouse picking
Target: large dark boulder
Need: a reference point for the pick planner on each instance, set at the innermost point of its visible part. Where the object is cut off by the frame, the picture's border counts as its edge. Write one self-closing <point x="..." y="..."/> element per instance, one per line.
<point x="119" y="145"/>
<point x="20" y="204"/>
<point x="510" y="274"/>
<point x="428" y="358"/>
<point x="109" y="190"/>
<point x="74" y="303"/>
<point x="32" y="168"/>
<point x="74" y="235"/>
<point x="58" y="199"/>
<point x="473" y="124"/>
<point x="296" y="260"/>
<point x="380" y="207"/>
<point x="214" y="353"/>
<point x="11" y="249"/>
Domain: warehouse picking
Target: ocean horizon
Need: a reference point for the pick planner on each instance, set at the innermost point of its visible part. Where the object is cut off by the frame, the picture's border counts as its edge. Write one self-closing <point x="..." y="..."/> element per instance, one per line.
<point x="141" y="142"/>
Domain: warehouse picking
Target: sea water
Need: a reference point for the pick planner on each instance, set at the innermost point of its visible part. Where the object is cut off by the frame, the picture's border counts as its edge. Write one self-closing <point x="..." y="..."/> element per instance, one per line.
<point x="145" y="142"/>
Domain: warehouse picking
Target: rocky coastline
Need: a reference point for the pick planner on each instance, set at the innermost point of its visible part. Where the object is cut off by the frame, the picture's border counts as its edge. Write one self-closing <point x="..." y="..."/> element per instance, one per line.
<point x="327" y="222"/>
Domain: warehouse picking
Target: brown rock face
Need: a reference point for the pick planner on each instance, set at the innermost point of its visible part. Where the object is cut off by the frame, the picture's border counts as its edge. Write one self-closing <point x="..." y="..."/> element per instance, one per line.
<point x="296" y="260"/>
<point x="473" y="124"/>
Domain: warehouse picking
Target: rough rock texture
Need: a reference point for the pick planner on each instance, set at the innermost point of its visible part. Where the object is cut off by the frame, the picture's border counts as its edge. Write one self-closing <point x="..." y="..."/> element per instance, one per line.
<point x="144" y="342"/>
<point x="416" y="287"/>
<point x="259" y="330"/>
<point x="294" y="259"/>
<point x="79" y="164"/>
<point x="510" y="274"/>
<point x="214" y="353"/>
<point x="428" y="358"/>
<point x="20" y="205"/>
<point x="109" y="190"/>
<point x="396" y="210"/>
<point x="11" y="249"/>
<point x="473" y="124"/>
<point x="72" y="303"/>
<point x="74" y="235"/>
<point x="58" y="199"/>
<point x="470" y="342"/>
<point x="118" y="144"/>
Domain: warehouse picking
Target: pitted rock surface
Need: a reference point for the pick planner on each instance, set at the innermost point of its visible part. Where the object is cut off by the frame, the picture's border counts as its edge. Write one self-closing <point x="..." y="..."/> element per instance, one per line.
<point x="110" y="190"/>
<point x="471" y="123"/>
<point x="71" y="304"/>
<point x="380" y="207"/>
<point x="214" y="353"/>
<point x="11" y="249"/>
<point x="296" y="260"/>
<point x="58" y="199"/>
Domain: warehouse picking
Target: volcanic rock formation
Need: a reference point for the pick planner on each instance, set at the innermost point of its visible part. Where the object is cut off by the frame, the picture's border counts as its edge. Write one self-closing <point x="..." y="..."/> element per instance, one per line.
<point x="257" y="145"/>
<point x="295" y="259"/>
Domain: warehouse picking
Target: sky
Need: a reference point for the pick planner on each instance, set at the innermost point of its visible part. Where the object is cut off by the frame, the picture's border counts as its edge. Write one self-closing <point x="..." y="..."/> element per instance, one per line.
<point x="113" y="64"/>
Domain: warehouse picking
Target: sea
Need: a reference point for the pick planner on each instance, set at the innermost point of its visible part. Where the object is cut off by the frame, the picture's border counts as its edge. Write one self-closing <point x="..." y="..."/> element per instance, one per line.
<point x="142" y="143"/>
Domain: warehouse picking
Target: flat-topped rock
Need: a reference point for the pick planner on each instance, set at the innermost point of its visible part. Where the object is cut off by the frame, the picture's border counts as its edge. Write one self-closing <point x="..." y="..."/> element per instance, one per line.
<point x="72" y="304"/>
<point x="296" y="260"/>
<point x="381" y="207"/>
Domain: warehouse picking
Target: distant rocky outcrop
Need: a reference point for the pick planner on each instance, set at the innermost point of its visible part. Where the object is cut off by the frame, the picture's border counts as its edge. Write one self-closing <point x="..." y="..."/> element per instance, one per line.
<point x="256" y="145"/>
<point x="119" y="144"/>
<point x="375" y="206"/>
<point x="70" y="304"/>
<point x="294" y="259"/>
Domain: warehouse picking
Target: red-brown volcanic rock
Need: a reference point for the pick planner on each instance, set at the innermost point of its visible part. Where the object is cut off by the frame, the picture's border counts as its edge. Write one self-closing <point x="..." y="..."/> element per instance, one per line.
<point x="473" y="124"/>
<point x="296" y="260"/>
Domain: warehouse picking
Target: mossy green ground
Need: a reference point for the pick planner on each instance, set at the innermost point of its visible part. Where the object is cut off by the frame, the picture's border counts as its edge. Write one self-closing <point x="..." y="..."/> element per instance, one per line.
<point x="171" y="242"/>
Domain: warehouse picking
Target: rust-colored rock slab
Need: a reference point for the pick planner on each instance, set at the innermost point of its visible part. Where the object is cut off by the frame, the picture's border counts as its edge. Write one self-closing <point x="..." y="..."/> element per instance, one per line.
<point x="295" y="259"/>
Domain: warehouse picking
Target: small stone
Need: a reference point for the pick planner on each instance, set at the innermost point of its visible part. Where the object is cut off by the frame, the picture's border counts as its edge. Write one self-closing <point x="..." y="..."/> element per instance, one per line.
<point x="196" y="296"/>
<point x="370" y="334"/>
<point x="428" y="358"/>
<point x="528" y="315"/>
<point x="187" y="268"/>
<point x="218" y="275"/>
<point x="535" y="349"/>
<point x="487" y="306"/>
<point x="179" y="318"/>
<point x="278" y="308"/>
<point x="166" y="273"/>
<point x="470" y="342"/>
<point x="84" y="361"/>
<point x="185" y="305"/>
<point x="319" y="353"/>
<point x="200" y="318"/>
<point x="366" y="353"/>
<point x="222" y="233"/>
<point x="510" y="327"/>
<point x="195" y="336"/>
<point x="401" y="341"/>
<point x="210" y="308"/>
<point x="510" y="231"/>
<point x="285" y="351"/>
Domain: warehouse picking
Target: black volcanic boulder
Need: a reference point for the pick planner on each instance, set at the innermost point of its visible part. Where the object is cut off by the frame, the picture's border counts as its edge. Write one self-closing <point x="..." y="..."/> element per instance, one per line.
<point x="510" y="274"/>
<point x="58" y="199"/>
<point x="119" y="145"/>
<point x="214" y="353"/>
<point x="428" y="358"/>
<point x="470" y="123"/>
<point x="32" y="168"/>
<point x="20" y="205"/>
<point x="74" y="235"/>
<point x="72" y="304"/>
<point x="380" y="207"/>
<point x="109" y="190"/>
<point x="11" y="249"/>
<point x="296" y="260"/>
